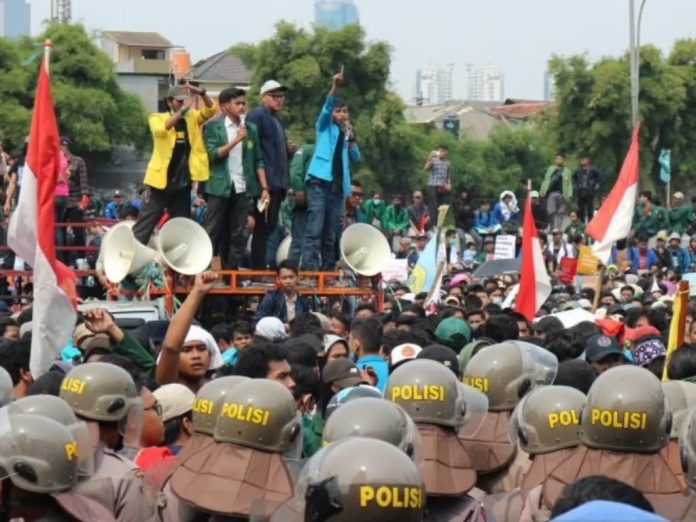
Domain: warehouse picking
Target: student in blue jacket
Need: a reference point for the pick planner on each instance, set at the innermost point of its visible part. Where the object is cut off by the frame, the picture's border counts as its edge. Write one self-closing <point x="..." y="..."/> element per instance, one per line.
<point x="328" y="180"/>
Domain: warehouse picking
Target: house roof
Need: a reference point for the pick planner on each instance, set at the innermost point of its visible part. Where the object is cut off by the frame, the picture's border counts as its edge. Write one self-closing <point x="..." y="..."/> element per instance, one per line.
<point x="222" y="67"/>
<point x="432" y="113"/>
<point x="138" y="38"/>
<point x="520" y="109"/>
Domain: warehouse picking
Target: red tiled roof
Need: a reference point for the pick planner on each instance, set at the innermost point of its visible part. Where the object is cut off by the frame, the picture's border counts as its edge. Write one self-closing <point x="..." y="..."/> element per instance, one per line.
<point x="520" y="110"/>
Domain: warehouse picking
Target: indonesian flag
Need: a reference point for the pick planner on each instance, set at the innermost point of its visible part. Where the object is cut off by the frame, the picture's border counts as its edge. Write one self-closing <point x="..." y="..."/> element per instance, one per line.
<point x="31" y="234"/>
<point x="613" y="220"/>
<point x="535" y="284"/>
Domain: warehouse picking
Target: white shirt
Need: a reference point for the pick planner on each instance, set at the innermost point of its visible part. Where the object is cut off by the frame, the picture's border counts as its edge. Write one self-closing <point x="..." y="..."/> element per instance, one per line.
<point x="234" y="158"/>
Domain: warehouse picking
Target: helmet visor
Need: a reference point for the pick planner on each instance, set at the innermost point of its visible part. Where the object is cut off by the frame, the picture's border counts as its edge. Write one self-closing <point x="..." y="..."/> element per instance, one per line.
<point x="131" y="425"/>
<point x="476" y="410"/>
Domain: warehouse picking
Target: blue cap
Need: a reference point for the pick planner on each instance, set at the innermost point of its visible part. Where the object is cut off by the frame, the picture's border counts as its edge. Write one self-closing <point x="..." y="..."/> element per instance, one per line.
<point x="605" y="510"/>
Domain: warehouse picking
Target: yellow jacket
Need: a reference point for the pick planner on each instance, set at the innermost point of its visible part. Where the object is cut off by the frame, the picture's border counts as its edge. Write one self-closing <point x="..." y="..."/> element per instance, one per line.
<point x="163" y="145"/>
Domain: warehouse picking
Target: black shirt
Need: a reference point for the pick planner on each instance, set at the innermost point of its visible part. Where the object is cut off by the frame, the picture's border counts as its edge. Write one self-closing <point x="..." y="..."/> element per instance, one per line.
<point x="178" y="176"/>
<point x="337" y="166"/>
<point x="556" y="184"/>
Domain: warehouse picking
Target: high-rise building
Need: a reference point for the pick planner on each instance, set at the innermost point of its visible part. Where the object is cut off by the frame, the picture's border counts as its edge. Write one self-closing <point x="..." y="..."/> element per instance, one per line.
<point x="15" y="18"/>
<point x="486" y="83"/>
<point x="433" y="85"/>
<point x="549" y="86"/>
<point x="335" y="14"/>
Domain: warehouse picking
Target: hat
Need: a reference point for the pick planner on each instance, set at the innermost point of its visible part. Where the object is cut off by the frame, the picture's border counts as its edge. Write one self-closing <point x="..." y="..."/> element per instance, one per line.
<point x="80" y="334"/>
<point x="177" y="93"/>
<point x="118" y="193"/>
<point x="441" y="354"/>
<point x="342" y="373"/>
<point x="678" y="195"/>
<point x="633" y="334"/>
<point x="648" y="350"/>
<point x="271" y="328"/>
<point x="175" y="399"/>
<point x="99" y="340"/>
<point x="330" y="340"/>
<point x="661" y="235"/>
<point x="453" y="331"/>
<point x="675" y="235"/>
<point x="489" y="239"/>
<point x="600" y="346"/>
<point x="534" y="194"/>
<point x="452" y="300"/>
<point x="64" y="140"/>
<point x="270" y="86"/>
<point x="403" y="352"/>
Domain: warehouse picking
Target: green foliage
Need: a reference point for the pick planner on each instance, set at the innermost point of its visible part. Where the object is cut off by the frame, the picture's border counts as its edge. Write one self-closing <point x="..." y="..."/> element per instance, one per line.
<point x="90" y="106"/>
<point x="592" y="110"/>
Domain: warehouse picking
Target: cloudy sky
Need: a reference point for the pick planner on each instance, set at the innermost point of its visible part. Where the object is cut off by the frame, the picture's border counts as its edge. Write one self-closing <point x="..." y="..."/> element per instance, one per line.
<point x="517" y="35"/>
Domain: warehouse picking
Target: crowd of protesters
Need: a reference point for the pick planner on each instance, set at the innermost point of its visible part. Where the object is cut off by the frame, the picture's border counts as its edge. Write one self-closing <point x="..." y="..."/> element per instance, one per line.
<point x="275" y="411"/>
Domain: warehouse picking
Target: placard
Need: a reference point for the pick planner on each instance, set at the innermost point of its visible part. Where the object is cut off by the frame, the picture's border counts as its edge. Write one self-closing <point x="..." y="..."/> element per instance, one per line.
<point x="566" y="270"/>
<point x="396" y="270"/>
<point x="588" y="263"/>
<point x="505" y="247"/>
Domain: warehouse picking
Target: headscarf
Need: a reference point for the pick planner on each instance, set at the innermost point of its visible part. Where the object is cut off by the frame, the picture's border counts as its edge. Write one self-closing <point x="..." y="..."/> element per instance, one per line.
<point x="196" y="333"/>
<point x="271" y="329"/>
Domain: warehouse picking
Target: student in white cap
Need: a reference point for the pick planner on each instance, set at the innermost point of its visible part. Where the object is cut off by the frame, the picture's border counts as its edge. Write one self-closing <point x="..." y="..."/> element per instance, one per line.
<point x="276" y="151"/>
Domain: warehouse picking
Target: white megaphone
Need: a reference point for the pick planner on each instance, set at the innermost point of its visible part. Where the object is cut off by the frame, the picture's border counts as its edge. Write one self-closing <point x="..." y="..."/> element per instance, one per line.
<point x="364" y="249"/>
<point x="283" y="250"/>
<point x="185" y="246"/>
<point x="122" y="254"/>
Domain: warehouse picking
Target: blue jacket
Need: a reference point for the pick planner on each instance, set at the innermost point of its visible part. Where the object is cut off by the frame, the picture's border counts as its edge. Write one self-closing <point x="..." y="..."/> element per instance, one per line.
<point x="380" y="367"/>
<point x="633" y="257"/>
<point x="272" y="148"/>
<point x="484" y="219"/>
<point x="682" y="257"/>
<point x="327" y="137"/>
<point x="498" y="216"/>
<point x="273" y="304"/>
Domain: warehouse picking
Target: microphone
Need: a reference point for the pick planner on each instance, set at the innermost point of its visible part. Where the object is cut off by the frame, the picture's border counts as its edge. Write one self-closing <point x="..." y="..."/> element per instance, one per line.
<point x="242" y="120"/>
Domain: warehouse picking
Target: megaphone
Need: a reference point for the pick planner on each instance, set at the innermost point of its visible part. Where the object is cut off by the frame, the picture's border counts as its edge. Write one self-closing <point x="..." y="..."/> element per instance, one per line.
<point x="122" y="254"/>
<point x="185" y="246"/>
<point x="283" y="250"/>
<point x="364" y="249"/>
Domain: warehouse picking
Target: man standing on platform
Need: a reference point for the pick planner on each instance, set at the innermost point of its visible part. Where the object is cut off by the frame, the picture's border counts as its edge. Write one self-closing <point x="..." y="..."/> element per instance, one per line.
<point x="328" y="180"/>
<point x="236" y="174"/>
<point x="178" y="158"/>
<point x="78" y="195"/>
<point x="277" y="152"/>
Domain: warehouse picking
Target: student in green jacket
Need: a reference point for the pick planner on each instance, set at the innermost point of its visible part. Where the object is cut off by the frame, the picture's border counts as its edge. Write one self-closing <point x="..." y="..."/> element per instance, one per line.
<point x="557" y="188"/>
<point x="396" y="218"/>
<point x="681" y="215"/>
<point x="646" y="218"/>
<point x="375" y="209"/>
<point x="298" y="172"/>
<point x="237" y="176"/>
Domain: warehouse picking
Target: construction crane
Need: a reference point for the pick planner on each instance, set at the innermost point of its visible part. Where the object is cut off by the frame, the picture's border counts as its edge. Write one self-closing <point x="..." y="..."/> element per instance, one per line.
<point x="61" y="11"/>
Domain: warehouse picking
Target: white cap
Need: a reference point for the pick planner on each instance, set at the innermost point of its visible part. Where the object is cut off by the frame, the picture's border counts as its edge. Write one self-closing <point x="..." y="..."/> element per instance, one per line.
<point x="404" y="352"/>
<point x="585" y="303"/>
<point x="175" y="399"/>
<point x="271" y="329"/>
<point x="270" y="86"/>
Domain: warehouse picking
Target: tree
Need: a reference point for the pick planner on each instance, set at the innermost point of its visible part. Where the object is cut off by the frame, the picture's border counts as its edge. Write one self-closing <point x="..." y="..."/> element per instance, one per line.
<point x="91" y="107"/>
<point x="592" y="111"/>
<point x="306" y="61"/>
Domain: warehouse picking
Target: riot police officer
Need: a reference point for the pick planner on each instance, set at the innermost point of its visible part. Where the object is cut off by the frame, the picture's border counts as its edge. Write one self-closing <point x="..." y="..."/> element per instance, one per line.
<point x="505" y="372"/>
<point x="435" y="399"/>
<point x="624" y="428"/>
<point x="105" y="396"/>
<point x="39" y="460"/>
<point x="5" y="387"/>
<point x="257" y="423"/>
<point x="353" y="479"/>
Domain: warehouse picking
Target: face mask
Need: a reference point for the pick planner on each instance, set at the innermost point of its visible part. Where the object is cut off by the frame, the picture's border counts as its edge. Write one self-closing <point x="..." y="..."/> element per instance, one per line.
<point x="453" y="242"/>
<point x="497" y="300"/>
<point x="376" y="201"/>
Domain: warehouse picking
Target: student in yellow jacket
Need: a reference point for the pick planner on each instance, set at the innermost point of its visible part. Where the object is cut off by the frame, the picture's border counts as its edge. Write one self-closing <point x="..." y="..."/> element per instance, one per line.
<point x="178" y="158"/>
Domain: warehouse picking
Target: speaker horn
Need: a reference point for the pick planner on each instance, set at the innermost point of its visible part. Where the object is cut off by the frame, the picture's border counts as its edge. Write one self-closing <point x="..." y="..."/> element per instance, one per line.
<point x="122" y="254"/>
<point x="185" y="246"/>
<point x="283" y="250"/>
<point x="364" y="249"/>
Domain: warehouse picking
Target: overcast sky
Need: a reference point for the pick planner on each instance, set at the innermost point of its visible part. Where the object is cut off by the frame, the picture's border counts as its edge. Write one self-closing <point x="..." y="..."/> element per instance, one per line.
<point x="517" y="35"/>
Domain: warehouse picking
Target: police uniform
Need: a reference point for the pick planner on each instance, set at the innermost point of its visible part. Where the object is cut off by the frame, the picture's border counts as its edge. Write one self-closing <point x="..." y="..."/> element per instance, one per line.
<point x="504" y="372"/>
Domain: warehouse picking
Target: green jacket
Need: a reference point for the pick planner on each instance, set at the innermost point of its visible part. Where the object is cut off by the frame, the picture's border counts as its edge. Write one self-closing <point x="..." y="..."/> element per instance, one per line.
<point x="131" y="349"/>
<point x="680" y="217"/>
<point x="648" y="223"/>
<point x="285" y="216"/>
<point x="219" y="184"/>
<point x="567" y="182"/>
<point x="571" y="230"/>
<point x="662" y="218"/>
<point x="373" y="211"/>
<point x="299" y="166"/>
<point x="396" y="219"/>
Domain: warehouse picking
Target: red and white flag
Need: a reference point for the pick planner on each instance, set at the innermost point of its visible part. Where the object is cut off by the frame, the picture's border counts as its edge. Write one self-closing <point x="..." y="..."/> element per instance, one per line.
<point x="613" y="220"/>
<point x="535" y="284"/>
<point x="31" y="233"/>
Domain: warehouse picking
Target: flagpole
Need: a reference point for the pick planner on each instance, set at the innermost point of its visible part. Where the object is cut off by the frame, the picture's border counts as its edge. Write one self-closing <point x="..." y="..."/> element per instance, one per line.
<point x="47" y="53"/>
